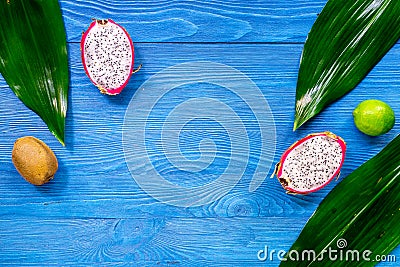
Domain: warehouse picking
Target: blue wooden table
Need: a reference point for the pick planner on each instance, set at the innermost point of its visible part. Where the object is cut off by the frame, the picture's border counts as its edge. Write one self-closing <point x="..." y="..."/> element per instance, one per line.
<point x="175" y="170"/>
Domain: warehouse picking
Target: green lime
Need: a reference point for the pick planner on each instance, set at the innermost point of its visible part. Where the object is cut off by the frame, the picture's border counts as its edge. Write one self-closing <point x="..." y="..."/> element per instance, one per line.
<point x="373" y="117"/>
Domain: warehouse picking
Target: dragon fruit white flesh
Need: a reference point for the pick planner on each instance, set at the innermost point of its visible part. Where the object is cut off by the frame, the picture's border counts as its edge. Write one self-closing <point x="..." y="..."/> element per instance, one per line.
<point x="311" y="163"/>
<point x="107" y="55"/>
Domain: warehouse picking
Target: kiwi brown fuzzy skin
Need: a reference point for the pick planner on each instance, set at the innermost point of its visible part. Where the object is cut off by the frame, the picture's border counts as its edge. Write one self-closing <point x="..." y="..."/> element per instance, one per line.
<point x="34" y="160"/>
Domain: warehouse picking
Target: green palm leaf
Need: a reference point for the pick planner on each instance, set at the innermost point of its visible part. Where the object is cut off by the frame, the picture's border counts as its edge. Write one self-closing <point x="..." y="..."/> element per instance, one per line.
<point x="346" y="41"/>
<point x="362" y="210"/>
<point x="33" y="58"/>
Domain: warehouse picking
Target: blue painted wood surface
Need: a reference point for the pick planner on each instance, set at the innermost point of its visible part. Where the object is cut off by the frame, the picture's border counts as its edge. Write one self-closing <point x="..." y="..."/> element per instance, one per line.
<point x="95" y="213"/>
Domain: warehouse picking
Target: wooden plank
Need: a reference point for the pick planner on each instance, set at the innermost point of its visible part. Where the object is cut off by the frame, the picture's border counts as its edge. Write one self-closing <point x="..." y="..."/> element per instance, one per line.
<point x="151" y="241"/>
<point x="93" y="179"/>
<point x="200" y="21"/>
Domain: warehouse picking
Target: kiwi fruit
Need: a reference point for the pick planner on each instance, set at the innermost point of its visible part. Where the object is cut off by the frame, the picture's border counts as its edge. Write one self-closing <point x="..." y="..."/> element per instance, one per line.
<point x="34" y="160"/>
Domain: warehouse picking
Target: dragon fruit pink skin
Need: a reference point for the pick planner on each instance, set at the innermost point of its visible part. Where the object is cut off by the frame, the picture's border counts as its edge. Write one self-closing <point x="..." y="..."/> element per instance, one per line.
<point x="107" y="55"/>
<point x="311" y="163"/>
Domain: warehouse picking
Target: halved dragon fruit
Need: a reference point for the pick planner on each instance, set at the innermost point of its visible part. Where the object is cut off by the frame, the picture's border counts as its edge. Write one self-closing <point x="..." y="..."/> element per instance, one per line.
<point x="107" y="55"/>
<point x="311" y="163"/>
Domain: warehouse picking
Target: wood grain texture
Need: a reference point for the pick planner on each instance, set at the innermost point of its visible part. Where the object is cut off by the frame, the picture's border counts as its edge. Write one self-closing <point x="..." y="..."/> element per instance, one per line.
<point x="94" y="212"/>
<point x="93" y="172"/>
<point x="152" y="241"/>
<point x="198" y="21"/>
